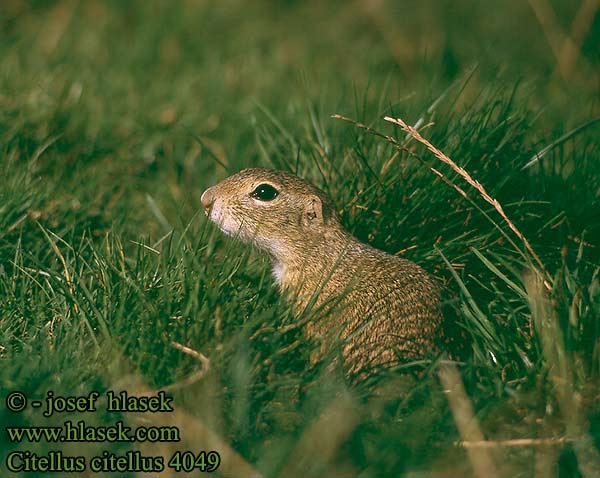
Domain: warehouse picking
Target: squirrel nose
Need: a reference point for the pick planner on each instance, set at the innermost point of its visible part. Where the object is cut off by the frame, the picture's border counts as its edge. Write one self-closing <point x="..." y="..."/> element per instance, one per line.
<point x="207" y="199"/>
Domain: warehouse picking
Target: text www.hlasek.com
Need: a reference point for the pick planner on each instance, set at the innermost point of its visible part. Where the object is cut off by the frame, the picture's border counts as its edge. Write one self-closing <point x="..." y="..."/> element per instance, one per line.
<point x="80" y="432"/>
<point x="132" y="461"/>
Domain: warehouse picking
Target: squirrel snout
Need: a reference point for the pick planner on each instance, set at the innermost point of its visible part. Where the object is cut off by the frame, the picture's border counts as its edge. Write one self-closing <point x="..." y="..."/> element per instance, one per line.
<point x="207" y="200"/>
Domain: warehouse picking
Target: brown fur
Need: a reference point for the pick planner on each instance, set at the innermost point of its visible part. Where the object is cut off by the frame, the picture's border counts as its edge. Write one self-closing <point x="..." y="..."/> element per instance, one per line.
<point x="383" y="308"/>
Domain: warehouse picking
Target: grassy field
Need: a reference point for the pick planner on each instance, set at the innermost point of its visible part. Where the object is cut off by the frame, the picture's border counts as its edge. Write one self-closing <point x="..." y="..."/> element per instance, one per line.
<point x="115" y="116"/>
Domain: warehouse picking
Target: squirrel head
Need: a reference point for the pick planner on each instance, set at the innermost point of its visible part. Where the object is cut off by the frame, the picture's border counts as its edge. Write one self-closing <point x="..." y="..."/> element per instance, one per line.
<point x="275" y="210"/>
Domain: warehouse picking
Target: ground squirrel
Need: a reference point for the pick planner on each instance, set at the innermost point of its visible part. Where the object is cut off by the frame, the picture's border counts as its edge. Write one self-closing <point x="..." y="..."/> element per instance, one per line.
<point x="383" y="308"/>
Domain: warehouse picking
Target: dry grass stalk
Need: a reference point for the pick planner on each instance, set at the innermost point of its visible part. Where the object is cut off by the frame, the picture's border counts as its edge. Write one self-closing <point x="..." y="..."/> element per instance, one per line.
<point x="550" y="25"/>
<point x="514" y="442"/>
<point x="60" y="16"/>
<point x="568" y="50"/>
<point x="561" y="375"/>
<point x="571" y="49"/>
<point x="466" y="422"/>
<point x="316" y="449"/>
<point x="476" y="184"/>
<point x="194" y="377"/>
<point x="191" y="352"/>
<point x="402" y="147"/>
<point x="370" y="130"/>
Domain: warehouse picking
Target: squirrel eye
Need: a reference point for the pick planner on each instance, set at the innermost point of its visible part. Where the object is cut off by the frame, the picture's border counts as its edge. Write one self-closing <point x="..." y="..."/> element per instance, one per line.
<point x="264" y="192"/>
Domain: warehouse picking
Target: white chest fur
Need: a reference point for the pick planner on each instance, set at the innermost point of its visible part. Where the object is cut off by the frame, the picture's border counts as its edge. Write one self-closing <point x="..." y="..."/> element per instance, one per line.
<point x="278" y="272"/>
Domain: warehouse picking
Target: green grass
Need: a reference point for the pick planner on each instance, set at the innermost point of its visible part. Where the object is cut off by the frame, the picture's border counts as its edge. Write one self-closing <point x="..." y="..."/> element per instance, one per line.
<point x="114" y="119"/>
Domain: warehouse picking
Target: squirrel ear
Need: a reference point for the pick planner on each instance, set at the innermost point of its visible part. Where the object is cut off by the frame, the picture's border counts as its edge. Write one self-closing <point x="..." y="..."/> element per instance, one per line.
<point x="313" y="213"/>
